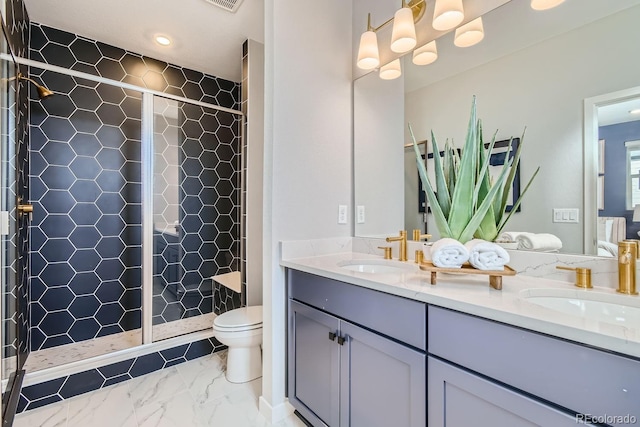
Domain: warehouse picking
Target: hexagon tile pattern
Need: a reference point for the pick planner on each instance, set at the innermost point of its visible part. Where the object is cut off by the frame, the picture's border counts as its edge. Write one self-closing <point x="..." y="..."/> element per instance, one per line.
<point x="17" y="25"/>
<point x="57" y="47"/>
<point x="37" y="395"/>
<point x="196" y="186"/>
<point x="86" y="190"/>
<point x="86" y="226"/>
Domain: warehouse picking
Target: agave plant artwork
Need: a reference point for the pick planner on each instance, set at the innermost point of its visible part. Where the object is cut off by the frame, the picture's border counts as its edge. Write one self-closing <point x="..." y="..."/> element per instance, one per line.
<point x="465" y="201"/>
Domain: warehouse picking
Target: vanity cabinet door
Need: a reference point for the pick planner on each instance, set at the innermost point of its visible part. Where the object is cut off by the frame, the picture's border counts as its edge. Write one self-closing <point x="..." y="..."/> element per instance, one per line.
<point x="459" y="398"/>
<point x="383" y="382"/>
<point x="314" y="364"/>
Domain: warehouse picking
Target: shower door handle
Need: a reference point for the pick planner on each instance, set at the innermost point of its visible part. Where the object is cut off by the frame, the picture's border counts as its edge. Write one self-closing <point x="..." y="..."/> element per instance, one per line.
<point x="24" y="209"/>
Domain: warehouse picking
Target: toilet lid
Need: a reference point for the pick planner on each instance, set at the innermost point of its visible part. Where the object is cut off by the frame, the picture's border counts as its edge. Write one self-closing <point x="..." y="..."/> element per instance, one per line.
<point x="240" y="317"/>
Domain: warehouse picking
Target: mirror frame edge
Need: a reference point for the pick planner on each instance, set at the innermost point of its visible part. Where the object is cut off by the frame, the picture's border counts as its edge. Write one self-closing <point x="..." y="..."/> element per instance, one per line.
<point x="590" y="161"/>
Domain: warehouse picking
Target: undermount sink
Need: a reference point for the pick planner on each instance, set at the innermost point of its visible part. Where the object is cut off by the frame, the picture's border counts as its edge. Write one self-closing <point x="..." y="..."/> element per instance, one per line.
<point x="599" y="306"/>
<point x="375" y="266"/>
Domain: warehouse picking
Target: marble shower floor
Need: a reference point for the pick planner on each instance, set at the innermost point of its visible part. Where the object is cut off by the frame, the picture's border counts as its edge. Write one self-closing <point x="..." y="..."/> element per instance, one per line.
<point x="61" y="355"/>
<point x="192" y="394"/>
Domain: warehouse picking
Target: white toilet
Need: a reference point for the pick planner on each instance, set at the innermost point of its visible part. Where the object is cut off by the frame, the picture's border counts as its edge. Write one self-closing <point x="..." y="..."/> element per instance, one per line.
<point x="241" y="331"/>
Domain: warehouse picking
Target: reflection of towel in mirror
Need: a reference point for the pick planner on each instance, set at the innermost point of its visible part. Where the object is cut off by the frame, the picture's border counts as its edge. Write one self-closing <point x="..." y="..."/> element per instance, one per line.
<point x="539" y="242"/>
<point x="607" y="249"/>
<point x="448" y="253"/>
<point x="485" y="255"/>
<point x="509" y="236"/>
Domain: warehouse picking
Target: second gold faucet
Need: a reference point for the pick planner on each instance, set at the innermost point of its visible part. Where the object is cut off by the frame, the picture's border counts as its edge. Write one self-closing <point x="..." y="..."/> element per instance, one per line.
<point x="402" y="238"/>
<point x="627" y="255"/>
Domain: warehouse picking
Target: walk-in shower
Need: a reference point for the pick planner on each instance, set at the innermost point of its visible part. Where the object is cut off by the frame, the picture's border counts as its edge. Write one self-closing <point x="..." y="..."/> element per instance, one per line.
<point x="135" y="201"/>
<point x="130" y="182"/>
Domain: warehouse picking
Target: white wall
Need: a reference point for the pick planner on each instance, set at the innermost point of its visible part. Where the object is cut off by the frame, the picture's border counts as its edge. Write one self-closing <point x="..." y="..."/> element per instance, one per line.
<point x="541" y="88"/>
<point x="307" y="152"/>
<point x="378" y="133"/>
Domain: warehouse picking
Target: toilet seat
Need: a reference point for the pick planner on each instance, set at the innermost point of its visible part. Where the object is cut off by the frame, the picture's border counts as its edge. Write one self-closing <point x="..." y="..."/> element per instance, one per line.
<point x="239" y="319"/>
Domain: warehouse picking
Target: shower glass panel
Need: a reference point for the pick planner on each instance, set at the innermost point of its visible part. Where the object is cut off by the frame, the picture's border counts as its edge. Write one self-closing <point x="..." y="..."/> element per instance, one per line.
<point x="196" y="212"/>
<point x="8" y="235"/>
<point x="86" y="232"/>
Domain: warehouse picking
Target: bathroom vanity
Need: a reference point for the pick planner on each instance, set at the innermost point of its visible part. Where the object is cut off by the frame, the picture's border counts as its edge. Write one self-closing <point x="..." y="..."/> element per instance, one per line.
<point x="391" y="349"/>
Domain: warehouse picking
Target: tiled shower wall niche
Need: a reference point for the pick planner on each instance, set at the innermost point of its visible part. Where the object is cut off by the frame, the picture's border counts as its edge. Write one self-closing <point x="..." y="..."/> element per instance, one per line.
<point x="86" y="191"/>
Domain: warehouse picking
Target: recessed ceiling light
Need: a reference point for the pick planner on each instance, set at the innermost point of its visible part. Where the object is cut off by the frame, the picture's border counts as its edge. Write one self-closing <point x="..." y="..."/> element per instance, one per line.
<point x="163" y="40"/>
<point x="635" y="111"/>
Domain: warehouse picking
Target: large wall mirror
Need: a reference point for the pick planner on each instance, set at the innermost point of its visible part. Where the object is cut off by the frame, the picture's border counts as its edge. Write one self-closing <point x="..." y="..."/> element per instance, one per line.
<point x="533" y="69"/>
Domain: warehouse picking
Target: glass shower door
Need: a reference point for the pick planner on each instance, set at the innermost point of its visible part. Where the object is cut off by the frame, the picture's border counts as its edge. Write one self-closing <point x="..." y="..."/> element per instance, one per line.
<point x="13" y="351"/>
<point x="196" y="212"/>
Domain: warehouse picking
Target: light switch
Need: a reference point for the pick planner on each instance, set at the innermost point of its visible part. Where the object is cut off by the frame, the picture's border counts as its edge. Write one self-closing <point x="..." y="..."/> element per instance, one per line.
<point x="342" y="214"/>
<point x="360" y="214"/>
<point x="566" y="215"/>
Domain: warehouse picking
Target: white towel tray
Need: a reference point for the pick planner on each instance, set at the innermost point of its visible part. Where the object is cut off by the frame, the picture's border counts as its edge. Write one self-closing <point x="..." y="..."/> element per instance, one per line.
<point x="495" y="276"/>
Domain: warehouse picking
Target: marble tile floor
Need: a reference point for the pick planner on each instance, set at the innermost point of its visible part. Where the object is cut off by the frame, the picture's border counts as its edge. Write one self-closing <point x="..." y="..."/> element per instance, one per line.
<point x="192" y="394"/>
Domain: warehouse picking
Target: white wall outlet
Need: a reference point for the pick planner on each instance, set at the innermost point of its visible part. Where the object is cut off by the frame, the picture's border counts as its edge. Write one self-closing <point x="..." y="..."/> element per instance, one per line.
<point x="360" y="214"/>
<point x="342" y="214"/>
<point x="566" y="215"/>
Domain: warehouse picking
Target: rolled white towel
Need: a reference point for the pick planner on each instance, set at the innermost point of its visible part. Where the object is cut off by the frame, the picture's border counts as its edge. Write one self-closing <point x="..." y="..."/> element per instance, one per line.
<point x="485" y="255"/>
<point x="509" y="236"/>
<point x="539" y="242"/>
<point x="448" y="253"/>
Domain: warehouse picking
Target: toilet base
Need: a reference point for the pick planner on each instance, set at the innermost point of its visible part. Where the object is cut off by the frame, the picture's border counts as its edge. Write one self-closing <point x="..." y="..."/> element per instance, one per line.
<point x="244" y="364"/>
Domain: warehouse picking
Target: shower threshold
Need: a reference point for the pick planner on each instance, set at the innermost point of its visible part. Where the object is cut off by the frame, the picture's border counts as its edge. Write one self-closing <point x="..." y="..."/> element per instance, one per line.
<point x="68" y="353"/>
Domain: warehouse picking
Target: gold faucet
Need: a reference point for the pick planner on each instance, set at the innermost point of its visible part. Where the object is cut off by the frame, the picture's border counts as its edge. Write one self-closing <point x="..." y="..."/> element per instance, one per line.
<point x="627" y="255"/>
<point x="387" y="251"/>
<point x="417" y="235"/>
<point x="583" y="276"/>
<point x="402" y="238"/>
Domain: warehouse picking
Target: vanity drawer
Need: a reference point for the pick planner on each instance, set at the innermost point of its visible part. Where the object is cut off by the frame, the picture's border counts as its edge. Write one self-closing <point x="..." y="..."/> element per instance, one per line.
<point x="396" y="317"/>
<point x="574" y="376"/>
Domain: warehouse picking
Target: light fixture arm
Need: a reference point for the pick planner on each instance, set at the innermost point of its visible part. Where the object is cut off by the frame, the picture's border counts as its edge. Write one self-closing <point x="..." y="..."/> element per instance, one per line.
<point x="417" y="7"/>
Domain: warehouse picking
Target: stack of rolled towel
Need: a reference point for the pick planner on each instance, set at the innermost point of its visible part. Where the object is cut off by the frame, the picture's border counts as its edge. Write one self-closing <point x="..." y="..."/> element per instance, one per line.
<point x="483" y="255"/>
<point x="542" y="242"/>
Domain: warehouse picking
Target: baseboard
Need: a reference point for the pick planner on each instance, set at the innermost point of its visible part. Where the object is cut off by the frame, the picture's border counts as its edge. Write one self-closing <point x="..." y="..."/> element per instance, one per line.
<point x="275" y="414"/>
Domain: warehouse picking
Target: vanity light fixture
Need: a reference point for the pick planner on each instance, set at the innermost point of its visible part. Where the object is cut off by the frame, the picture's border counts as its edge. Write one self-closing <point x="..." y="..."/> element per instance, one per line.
<point x="368" y="55"/>
<point x="425" y="55"/>
<point x="447" y="14"/>
<point x="545" y="4"/>
<point x="391" y="70"/>
<point x="403" y="35"/>
<point x="162" y="40"/>
<point x="470" y="33"/>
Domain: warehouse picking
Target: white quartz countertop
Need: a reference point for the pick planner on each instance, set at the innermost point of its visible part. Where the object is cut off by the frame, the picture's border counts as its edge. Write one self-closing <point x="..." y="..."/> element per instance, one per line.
<point x="472" y="294"/>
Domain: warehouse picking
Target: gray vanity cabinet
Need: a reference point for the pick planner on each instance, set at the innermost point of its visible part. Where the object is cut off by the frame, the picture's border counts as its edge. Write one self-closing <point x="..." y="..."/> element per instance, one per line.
<point x="382" y="381"/>
<point x="458" y="398"/>
<point x="342" y="370"/>
<point x="502" y="375"/>
<point x="314" y="372"/>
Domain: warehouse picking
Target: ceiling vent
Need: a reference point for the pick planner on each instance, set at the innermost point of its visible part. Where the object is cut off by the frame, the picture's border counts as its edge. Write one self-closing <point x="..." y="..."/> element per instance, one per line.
<point x="228" y="5"/>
